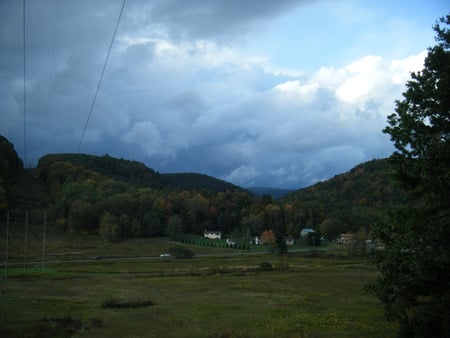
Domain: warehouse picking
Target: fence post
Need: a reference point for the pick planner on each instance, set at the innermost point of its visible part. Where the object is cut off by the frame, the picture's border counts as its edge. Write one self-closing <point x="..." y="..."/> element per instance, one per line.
<point x="26" y="244"/>
<point x="7" y="244"/>
<point x="43" y="242"/>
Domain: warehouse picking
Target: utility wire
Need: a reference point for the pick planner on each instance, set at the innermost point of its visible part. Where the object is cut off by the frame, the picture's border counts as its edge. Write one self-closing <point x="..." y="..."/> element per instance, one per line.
<point x="101" y="77"/>
<point x="51" y="71"/>
<point x="24" y="87"/>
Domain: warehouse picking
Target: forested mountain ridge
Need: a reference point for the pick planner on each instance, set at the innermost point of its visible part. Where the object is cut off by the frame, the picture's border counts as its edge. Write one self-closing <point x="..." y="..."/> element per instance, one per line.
<point x="118" y="169"/>
<point x="195" y="181"/>
<point x="11" y="169"/>
<point x="358" y="198"/>
<point x="364" y="184"/>
<point x="119" y="198"/>
<point x="135" y="173"/>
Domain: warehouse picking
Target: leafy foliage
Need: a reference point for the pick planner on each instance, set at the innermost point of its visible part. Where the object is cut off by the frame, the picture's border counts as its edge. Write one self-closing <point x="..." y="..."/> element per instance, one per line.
<point x="87" y="193"/>
<point x="95" y="194"/>
<point x="346" y="202"/>
<point x="415" y="274"/>
<point x="268" y="237"/>
<point x="11" y="169"/>
<point x="117" y="169"/>
<point x="11" y="166"/>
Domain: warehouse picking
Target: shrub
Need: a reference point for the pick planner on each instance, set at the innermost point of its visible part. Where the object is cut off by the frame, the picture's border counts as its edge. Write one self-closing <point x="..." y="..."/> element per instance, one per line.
<point x="265" y="266"/>
<point x="111" y="304"/>
<point x="55" y="327"/>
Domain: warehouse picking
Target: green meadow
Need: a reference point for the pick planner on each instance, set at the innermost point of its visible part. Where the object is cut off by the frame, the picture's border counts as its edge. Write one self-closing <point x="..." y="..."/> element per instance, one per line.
<point x="305" y="294"/>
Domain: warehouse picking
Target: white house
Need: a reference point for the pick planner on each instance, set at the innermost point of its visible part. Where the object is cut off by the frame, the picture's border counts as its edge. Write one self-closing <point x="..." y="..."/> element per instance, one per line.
<point x="289" y="240"/>
<point x="212" y="234"/>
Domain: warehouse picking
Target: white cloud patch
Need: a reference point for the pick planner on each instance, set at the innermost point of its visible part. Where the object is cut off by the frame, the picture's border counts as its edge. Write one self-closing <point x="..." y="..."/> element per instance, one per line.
<point x="146" y="136"/>
<point x="330" y="119"/>
<point x="243" y="175"/>
<point x="401" y="69"/>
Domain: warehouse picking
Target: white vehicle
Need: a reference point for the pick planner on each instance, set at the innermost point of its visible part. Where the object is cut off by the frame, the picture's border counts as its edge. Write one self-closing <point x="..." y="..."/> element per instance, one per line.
<point x="165" y="255"/>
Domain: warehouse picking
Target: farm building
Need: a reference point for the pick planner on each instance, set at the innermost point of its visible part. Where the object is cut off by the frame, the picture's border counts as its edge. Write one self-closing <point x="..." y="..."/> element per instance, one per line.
<point x="289" y="240"/>
<point x="347" y="238"/>
<point x="212" y="234"/>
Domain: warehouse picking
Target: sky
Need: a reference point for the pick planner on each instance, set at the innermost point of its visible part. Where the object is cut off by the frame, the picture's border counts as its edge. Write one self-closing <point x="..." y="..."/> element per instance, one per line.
<point x="258" y="93"/>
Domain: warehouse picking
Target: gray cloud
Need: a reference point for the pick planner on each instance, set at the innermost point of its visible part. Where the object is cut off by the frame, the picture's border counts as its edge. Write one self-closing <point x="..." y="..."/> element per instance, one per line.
<point x="197" y="19"/>
<point x="179" y="94"/>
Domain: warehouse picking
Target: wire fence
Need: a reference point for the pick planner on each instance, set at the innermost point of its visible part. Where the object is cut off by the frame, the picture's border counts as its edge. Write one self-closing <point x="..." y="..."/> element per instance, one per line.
<point x="23" y="235"/>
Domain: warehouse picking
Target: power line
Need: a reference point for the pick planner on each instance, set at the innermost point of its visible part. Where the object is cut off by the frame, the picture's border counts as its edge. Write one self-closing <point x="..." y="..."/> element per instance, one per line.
<point x="24" y="87"/>
<point x="51" y="72"/>
<point x="101" y="77"/>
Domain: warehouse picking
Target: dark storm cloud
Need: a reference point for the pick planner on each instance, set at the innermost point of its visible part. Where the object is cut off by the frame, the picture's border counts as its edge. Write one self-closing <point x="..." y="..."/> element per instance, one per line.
<point x="198" y="19"/>
<point x="180" y="95"/>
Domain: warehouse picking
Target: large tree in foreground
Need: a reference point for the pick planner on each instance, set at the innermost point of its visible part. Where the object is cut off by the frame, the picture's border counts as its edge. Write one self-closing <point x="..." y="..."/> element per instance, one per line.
<point x="414" y="281"/>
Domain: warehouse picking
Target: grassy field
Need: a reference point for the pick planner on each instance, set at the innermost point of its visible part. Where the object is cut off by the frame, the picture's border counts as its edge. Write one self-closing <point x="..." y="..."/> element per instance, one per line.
<point x="200" y="297"/>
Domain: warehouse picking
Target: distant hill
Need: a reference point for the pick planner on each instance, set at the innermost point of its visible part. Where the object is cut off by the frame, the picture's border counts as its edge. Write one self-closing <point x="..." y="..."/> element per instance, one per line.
<point x="132" y="172"/>
<point x="11" y="166"/>
<point x="370" y="180"/>
<point x="18" y="186"/>
<point x="101" y="194"/>
<point x="11" y="170"/>
<point x="119" y="199"/>
<point x="137" y="173"/>
<point x="195" y="181"/>
<point x="358" y="198"/>
<point x="274" y="192"/>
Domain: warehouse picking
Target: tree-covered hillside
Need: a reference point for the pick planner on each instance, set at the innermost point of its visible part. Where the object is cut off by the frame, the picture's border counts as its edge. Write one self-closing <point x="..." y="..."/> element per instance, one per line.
<point x="194" y="181"/>
<point x="118" y="169"/>
<point x="11" y="169"/>
<point x="350" y="201"/>
<point x="18" y="187"/>
<point x="118" y="198"/>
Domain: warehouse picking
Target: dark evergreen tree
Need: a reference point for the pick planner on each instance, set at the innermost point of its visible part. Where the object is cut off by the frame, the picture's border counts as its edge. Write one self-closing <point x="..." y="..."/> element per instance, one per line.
<point x="414" y="283"/>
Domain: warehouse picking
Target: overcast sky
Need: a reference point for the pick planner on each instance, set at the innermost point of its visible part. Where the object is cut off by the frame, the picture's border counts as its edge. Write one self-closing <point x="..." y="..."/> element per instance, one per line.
<point x="259" y="93"/>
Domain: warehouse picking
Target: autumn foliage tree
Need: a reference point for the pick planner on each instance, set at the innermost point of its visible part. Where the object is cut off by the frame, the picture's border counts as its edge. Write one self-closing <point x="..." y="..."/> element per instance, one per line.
<point x="415" y="265"/>
<point x="268" y="238"/>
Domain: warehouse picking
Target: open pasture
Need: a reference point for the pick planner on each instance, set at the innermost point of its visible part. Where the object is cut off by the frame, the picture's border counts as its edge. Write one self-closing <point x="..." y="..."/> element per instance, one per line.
<point x="199" y="297"/>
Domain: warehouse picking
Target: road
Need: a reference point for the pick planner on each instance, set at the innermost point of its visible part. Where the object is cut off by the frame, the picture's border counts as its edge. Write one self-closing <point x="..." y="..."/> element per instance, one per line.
<point x="99" y="258"/>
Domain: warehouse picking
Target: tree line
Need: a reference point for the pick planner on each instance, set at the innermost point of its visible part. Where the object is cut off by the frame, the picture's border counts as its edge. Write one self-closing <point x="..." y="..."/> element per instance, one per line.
<point x="120" y="199"/>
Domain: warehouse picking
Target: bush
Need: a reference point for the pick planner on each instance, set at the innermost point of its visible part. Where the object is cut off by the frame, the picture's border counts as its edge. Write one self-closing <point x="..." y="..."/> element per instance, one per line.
<point x="55" y="327"/>
<point x="265" y="266"/>
<point x="111" y="304"/>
